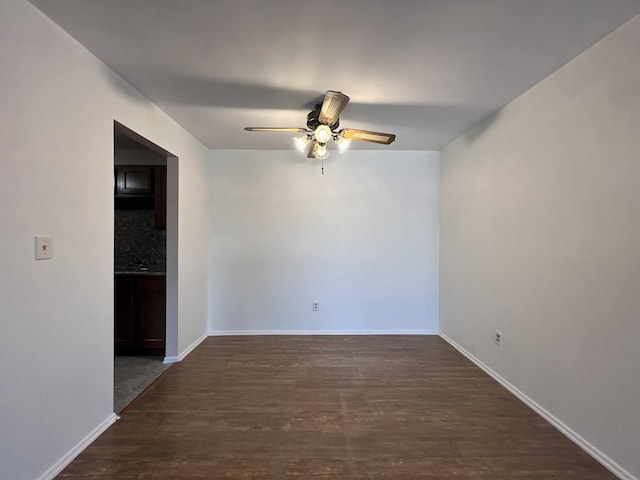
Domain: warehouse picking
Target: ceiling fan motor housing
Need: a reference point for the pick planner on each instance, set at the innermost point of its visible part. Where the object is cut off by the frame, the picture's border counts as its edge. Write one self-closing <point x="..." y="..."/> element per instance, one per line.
<point x="313" y="119"/>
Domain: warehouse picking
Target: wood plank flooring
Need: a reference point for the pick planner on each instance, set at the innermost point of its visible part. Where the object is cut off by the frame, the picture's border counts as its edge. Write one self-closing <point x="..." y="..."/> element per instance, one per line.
<point x="330" y="408"/>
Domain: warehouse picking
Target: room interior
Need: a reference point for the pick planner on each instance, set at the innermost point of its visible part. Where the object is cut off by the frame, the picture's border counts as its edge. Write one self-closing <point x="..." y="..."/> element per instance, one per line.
<point x="507" y="203"/>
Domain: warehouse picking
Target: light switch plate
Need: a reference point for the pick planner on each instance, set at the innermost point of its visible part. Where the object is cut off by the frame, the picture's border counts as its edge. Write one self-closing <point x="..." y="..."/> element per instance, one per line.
<point x="44" y="247"/>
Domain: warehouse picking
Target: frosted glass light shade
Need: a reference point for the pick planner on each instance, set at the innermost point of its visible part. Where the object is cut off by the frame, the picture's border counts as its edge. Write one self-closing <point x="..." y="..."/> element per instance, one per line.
<point x="322" y="134"/>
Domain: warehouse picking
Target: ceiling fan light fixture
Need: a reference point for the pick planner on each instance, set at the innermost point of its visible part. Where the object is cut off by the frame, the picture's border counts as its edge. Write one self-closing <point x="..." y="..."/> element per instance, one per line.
<point x="342" y="143"/>
<point x="301" y="143"/>
<point x="320" y="151"/>
<point x="322" y="127"/>
<point x="322" y="134"/>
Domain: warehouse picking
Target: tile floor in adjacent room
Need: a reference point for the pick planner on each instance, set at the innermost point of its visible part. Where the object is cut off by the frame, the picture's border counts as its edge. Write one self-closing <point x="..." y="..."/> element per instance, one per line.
<point x="132" y="375"/>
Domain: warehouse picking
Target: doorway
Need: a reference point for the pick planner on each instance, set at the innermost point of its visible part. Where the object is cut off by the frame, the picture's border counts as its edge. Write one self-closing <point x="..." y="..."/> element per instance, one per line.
<point x="145" y="263"/>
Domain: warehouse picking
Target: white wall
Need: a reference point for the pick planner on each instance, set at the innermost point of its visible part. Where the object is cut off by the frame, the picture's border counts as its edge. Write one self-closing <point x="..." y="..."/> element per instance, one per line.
<point x="56" y="341"/>
<point x="540" y="230"/>
<point x="362" y="240"/>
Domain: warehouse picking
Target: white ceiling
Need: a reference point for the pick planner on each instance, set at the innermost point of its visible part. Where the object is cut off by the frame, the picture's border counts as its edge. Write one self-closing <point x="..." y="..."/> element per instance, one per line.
<point x="425" y="70"/>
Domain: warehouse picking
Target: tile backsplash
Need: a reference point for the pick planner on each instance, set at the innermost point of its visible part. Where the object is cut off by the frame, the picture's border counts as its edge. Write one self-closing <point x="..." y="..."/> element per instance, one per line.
<point x="138" y="241"/>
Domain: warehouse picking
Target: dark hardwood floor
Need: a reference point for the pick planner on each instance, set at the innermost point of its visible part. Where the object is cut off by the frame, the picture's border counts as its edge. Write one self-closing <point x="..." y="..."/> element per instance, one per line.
<point x="332" y="408"/>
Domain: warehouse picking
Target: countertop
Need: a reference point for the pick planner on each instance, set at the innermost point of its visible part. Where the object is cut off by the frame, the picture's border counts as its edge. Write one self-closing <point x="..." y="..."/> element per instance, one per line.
<point x="133" y="270"/>
<point x="139" y="272"/>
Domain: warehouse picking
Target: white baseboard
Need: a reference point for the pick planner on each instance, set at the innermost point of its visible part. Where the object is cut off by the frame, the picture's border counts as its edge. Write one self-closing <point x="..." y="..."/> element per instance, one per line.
<point x="187" y="351"/>
<point x="75" y="451"/>
<point x="221" y="333"/>
<point x="598" y="455"/>
<point x="93" y="435"/>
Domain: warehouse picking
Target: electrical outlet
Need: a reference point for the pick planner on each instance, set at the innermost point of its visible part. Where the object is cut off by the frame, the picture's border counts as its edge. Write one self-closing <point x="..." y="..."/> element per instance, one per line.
<point x="498" y="338"/>
<point x="315" y="305"/>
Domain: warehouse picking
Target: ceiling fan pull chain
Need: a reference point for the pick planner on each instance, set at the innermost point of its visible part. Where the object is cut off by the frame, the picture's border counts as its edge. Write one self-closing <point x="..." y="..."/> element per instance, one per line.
<point x="323" y="166"/>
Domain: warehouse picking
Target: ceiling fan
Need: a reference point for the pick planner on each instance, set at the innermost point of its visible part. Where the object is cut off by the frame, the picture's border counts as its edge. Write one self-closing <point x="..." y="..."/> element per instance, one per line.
<point x="322" y="125"/>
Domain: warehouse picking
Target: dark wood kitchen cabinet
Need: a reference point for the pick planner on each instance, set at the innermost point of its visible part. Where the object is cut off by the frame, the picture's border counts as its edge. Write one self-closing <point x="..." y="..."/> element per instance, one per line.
<point x="151" y="320"/>
<point x="140" y="314"/>
<point x="134" y="180"/>
<point x="124" y="314"/>
<point x="142" y="187"/>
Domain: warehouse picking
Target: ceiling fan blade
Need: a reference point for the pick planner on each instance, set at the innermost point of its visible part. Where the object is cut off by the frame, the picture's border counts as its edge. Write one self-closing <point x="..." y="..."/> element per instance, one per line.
<point x="275" y="129"/>
<point x="312" y="145"/>
<point x="366" y="136"/>
<point x="332" y="106"/>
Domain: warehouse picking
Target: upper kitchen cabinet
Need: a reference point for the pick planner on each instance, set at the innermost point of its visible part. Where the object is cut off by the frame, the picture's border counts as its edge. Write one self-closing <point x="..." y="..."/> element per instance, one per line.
<point x="134" y="180"/>
<point x="142" y="187"/>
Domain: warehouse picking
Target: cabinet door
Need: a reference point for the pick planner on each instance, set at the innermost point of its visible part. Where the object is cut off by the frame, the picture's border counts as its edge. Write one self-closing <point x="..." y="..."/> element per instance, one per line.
<point x="134" y="180"/>
<point x="151" y="315"/>
<point x="124" y="309"/>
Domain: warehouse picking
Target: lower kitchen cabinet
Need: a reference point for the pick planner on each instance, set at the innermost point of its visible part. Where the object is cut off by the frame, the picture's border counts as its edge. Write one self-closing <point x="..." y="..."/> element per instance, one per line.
<point x="124" y="314"/>
<point x="140" y="314"/>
